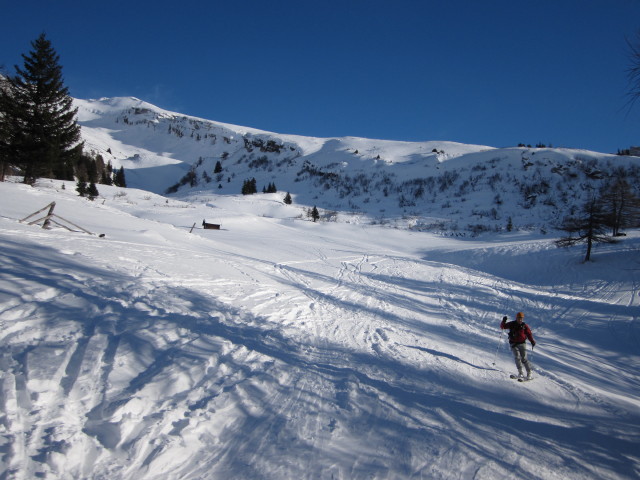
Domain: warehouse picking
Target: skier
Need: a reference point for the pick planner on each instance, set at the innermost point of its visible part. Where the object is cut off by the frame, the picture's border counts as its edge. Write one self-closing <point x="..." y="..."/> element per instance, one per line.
<point x="518" y="334"/>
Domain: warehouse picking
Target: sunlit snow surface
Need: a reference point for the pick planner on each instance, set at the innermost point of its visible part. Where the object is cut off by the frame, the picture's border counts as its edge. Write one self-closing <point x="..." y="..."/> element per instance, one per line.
<point x="278" y="348"/>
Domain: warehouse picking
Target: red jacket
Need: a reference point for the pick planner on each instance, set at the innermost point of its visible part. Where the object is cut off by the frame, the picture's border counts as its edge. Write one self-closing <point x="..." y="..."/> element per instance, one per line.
<point x="518" y="333"/>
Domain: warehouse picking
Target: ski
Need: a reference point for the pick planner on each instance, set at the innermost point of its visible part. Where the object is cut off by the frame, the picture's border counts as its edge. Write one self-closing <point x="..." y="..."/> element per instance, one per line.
<point x="520" y="379"/>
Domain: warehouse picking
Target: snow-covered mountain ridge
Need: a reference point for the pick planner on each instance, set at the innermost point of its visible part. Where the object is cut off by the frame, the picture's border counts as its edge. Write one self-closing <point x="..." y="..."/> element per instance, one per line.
<point x="437" y="185"/>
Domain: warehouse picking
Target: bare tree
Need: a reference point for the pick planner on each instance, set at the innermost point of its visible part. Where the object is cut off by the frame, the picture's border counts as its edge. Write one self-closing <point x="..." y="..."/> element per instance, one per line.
<point x="588" y="228"/>
<point x="633" y="72"/>
<point x="620" y="204"/>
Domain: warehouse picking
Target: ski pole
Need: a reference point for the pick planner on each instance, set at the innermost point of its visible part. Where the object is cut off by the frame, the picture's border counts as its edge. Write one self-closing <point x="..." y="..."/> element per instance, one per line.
<point x="495" y="355"/>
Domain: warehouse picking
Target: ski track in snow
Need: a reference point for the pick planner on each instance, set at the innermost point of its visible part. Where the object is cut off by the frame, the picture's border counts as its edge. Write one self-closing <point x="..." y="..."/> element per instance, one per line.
<point x="323" y="359"/>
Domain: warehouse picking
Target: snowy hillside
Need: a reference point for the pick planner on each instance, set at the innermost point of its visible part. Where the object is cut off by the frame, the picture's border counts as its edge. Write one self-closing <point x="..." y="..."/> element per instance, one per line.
<point x="429" y="186"/>
<point x="278" y="348"/>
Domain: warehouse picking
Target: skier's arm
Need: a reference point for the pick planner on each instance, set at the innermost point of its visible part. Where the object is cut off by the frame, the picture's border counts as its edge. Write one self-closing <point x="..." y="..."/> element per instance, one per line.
<point x="503" y="325"/>
<point x="530" y="336"/>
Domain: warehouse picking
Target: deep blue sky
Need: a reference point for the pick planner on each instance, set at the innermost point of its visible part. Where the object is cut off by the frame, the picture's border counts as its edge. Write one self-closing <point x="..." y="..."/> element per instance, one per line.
<point x="487" y="72"/>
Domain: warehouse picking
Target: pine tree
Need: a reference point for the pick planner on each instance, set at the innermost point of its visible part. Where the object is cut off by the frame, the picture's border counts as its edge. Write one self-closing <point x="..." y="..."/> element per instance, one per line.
<point x="7" y="128"/>
<point x="45" y="139"/>
<point x="249" y="187"/>
<point x="287" y="199"/>
<point x="270" y="188"/>
<point x="92" y="171"/>
<point x="105" y="177"/>
<point x="315" y="215"/>
<point x="92" y="191"/>
<point x="118" y="178"/>
<point x="81" y="188"/>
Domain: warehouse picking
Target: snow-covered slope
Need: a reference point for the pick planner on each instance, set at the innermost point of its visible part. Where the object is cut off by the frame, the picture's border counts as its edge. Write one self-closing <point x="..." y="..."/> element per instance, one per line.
<point x="435" y="186"/>
<point x="278" y="348"/>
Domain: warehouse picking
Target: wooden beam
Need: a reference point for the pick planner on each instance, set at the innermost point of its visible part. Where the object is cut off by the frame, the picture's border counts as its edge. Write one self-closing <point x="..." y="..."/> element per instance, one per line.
<point x="50" y="207"/>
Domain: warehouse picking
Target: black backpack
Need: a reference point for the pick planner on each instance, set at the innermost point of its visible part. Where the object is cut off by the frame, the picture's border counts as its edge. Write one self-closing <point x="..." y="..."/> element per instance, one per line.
<point x="515" y="328"/>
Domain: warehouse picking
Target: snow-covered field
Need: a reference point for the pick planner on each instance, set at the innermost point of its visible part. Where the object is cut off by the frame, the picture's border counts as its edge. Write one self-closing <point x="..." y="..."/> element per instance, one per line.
<point x="278" y="348"/>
